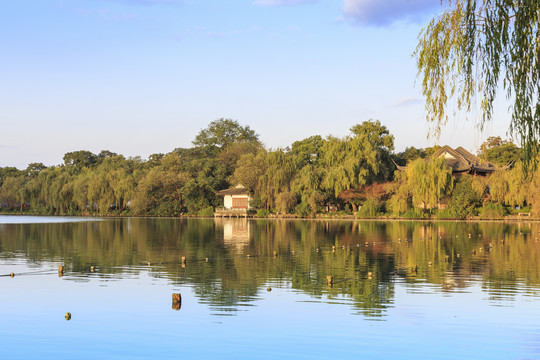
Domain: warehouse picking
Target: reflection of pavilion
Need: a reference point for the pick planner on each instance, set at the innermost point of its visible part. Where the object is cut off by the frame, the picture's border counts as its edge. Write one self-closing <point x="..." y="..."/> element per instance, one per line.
<point x="235" y="232"/>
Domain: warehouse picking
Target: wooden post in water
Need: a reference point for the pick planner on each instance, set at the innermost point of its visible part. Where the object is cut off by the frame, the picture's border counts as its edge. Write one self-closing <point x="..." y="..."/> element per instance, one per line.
<point x="183" y="261"/>
<point x="11" y="274"/>
<point x="176" y="301"/>
<point x="60" y="271"/>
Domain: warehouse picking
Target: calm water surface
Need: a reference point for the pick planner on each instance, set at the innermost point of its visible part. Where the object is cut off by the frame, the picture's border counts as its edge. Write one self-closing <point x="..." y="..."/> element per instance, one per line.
<point x="436" y="291"/>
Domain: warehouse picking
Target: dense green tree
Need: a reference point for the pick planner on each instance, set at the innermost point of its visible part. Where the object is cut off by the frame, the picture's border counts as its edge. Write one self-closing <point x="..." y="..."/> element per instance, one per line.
<point x="154" y="160"/>
<point x="159" y="193"/>
<point x="499" y="151"/>
<point x="205" y="175"/>
<point x="34" y="168"/>
<point x="285" y="201"/>
<point x="432" y="150"/>
<point x="249" y="169"/>
<point x="428" y="182"/>
<point x="79" y="159"/>
<point x="307" y="151"/>
<point x="7" y="172"/>
<point x="465" y="198"/>
<point x="12" y="191"/>
<point x="401" y="199"/>
<point x="411" y="153"/>
<point x="358" y="159"/>
<point x="509" y="187"/>
<point x="280" y="171"/>
<point x="228" y="158"/>
<point x="103" y="154"/>
<point x="223" y="132"/>
<point x="308" y="185"/>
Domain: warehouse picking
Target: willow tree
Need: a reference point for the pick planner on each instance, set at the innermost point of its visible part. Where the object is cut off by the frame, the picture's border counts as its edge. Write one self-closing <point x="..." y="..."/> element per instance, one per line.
<point x="358" y="159"/>
<point x="280" y="171"/>
<point x="473" y="49"/>
<point x="429" y="181"/>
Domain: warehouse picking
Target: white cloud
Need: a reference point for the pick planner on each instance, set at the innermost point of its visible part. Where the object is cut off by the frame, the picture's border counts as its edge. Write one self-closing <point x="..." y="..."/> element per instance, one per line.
<point x="282" y="2"/>
<point x="385" y="12"/>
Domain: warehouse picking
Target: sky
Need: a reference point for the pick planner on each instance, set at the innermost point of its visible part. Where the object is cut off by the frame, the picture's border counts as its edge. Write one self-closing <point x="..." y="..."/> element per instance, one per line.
<point x="139" y="77"/>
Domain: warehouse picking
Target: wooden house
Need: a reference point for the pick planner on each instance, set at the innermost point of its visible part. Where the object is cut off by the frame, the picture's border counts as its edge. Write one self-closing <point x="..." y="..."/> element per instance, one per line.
<point x="463" y="162"/>
<point x="235" y="202"/>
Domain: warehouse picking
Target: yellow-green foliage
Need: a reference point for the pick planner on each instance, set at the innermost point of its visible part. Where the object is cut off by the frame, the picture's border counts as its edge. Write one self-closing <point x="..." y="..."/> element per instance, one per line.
<point x="426" y="182"/>
<point x="468" y="50"/>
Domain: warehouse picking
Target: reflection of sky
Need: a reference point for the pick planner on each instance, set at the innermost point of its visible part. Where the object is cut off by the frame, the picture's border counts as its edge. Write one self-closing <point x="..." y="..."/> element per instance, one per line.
<point x="130" y="317"/>
<point x="14" y="219"/>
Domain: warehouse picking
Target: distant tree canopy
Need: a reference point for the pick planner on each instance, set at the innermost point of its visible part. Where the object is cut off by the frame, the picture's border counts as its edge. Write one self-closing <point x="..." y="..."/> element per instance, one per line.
<point x="472" y="49"/>
<point x="354" y="170"/>
<point x="499" y="151"/>
<point x="81" y="158"/>
<point x="411" y="153"/>
<point x="223" y="132"/>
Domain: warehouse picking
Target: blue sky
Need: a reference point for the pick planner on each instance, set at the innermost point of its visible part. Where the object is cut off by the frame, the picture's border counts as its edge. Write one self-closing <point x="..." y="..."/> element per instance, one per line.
<point x="139" y="77"/>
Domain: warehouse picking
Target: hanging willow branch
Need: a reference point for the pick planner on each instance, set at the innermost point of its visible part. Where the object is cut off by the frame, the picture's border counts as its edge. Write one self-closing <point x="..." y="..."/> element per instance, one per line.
<point x="471" y="50"/>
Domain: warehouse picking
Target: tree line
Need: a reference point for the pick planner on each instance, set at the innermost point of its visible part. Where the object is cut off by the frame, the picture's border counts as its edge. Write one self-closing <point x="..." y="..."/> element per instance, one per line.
<point x="356" y="173"/>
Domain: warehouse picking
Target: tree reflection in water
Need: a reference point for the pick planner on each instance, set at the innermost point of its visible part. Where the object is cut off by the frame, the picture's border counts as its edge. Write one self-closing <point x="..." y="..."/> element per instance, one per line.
<point x="241" y="261"/>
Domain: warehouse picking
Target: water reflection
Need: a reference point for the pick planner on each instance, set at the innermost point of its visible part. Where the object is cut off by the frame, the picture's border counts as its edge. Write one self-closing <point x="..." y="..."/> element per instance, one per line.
<point x="235" y="233"/>
<point x="230" y="262"/>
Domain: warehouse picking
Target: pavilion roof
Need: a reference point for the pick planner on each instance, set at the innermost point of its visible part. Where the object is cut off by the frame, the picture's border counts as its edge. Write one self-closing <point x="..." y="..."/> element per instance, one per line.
<point x="462" y="161"/>
<point x="237" y="190"/>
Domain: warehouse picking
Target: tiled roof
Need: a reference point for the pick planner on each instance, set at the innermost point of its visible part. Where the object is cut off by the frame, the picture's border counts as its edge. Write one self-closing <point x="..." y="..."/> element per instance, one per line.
<point x="461" y="160"/>
<point x="237" y="190"/>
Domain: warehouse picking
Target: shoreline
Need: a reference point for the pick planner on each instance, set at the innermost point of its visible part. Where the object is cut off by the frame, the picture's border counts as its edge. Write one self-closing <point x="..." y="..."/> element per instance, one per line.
<point x="350" y="218"/>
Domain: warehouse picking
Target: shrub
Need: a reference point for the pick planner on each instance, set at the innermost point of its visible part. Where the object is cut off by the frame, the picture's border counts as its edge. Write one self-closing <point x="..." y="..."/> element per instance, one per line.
<point x="464" y="200"/>
<point x="449" y="213"/>
<point x="370" y="208"/>
<point x="412" y="214"/>
<point x="286" y="201"/>
<point x="263" y="213"/>
<point x="493" y="211"/>
<point x="207" y="211"/>
<point x="303" y="209"/>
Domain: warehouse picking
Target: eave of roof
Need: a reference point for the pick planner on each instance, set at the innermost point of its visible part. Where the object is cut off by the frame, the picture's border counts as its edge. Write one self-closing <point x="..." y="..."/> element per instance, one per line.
<point x="237" y="190"/>
<point x="462" y="161"/>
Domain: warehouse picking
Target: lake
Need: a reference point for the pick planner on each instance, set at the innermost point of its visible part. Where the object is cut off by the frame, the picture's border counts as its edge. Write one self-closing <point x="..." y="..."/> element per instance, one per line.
<point x="260" y="289"/>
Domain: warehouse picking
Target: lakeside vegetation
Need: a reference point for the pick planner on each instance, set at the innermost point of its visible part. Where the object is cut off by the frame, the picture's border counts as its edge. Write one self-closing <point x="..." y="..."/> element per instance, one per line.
<point x="355" y="173"/>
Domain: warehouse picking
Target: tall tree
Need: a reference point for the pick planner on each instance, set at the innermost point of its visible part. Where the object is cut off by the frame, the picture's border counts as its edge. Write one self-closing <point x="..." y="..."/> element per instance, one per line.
<point x="473" y="48"/>
<point x="79" y="159"/>
<point x="223" y="132"/>
<point x="428" y="181"/>
<point x="358" y="159"/>
<point x="499" y="151"/>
